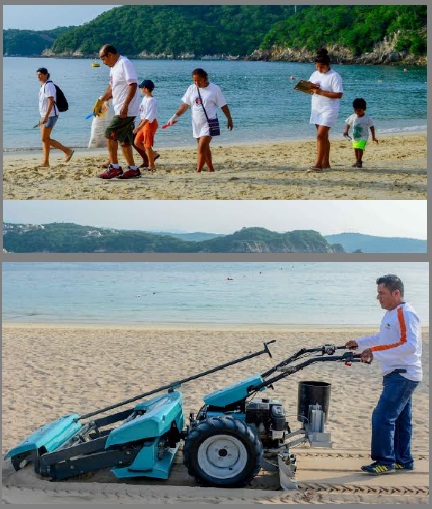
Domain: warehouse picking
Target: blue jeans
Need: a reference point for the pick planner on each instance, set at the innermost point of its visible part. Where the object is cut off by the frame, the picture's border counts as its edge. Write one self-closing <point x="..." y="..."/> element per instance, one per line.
<point x="392" y="422"/>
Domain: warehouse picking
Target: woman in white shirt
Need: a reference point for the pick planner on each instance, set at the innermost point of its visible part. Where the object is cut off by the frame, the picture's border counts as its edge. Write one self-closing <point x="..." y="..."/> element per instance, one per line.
<point x="327" y="91"/>
<point x="199" y="96"/>
<point x="49" y="115"/>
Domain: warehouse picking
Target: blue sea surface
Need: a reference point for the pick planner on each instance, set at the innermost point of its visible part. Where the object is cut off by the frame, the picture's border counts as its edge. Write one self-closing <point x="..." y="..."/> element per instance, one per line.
<point x="261" y="97"/>
<point x="138" y="293"/>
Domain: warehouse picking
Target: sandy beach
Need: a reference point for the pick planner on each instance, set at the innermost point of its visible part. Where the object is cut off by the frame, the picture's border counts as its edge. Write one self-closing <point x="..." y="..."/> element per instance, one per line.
<point x="395" y="169"/>
<point x="51" y="371"/>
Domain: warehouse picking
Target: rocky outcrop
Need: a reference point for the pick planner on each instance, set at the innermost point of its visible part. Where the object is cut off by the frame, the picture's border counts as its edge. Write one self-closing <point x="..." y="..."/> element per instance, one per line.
<point x="48" y="53"/>
<point x="280" y="247"/>
<point x="384" y="53"/>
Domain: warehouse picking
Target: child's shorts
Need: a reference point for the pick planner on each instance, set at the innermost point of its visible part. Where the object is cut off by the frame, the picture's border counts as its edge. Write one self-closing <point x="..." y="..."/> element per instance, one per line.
<point x="147" y="133"/>
<point x="359" y="144"/>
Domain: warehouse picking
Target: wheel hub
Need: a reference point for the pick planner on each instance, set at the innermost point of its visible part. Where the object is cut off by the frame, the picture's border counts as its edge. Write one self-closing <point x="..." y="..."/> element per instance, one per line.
<point x="222" y="456"/>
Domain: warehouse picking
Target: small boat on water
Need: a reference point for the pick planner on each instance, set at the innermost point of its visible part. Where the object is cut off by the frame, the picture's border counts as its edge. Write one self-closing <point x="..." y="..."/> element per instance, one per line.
<point x="95" y="64"/>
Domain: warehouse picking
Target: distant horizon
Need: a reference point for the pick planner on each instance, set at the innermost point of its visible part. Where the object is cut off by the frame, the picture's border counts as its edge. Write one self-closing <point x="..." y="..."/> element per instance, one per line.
<point x="190" y="232"/>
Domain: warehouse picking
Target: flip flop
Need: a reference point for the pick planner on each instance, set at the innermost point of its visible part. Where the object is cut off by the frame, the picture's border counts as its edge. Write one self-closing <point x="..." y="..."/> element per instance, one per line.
<point x="69" y="157"/>
<point x="315" y="169"/>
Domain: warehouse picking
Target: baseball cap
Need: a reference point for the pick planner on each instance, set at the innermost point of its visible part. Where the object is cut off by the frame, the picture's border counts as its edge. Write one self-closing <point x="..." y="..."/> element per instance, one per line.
<point x="147" y="84"/>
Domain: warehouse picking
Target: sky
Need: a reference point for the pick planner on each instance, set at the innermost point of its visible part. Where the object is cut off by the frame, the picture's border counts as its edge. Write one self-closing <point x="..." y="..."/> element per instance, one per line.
<point x="46" y="17"/>
<point x="381" y="218"/>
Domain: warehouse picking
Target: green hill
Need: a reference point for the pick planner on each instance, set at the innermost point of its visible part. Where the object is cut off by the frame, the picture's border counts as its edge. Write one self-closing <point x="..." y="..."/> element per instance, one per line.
<point x="30" y="42"/>
<point x="73" y="238"/>
<point x="260" y="240"/>
<point x="174" y="30"/>
<point x="371" y="244"/>
<point x="276" y="32"/>
<point x="356" y="27"/>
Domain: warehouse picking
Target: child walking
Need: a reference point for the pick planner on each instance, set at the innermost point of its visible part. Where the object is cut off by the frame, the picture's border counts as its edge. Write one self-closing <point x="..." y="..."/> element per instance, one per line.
<point x="146" y="129"/>
<point x="361" y="123"/>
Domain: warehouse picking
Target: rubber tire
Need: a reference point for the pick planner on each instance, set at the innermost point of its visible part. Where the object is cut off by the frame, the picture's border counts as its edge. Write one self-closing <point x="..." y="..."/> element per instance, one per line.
<point x="223" y="425"/>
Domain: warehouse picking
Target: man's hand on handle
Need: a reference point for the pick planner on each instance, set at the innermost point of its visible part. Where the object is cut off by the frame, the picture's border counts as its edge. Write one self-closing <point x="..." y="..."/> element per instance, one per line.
<point x="366" y="355"/>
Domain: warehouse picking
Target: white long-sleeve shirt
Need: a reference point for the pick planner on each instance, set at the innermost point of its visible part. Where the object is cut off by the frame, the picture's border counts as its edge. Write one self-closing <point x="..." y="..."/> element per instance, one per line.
<point x="398" y="345"/>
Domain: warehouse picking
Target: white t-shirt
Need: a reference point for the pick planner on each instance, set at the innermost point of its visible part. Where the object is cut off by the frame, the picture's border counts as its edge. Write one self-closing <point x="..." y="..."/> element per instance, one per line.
<point x="398" y="345"/>
<point x="212" y="98"/>
<point x="47" y="90"/>
<point x="122" y="74"/>
<point x="148" y="109"/>
<point x="360" y="125"/>
<point x="325" y="110"/>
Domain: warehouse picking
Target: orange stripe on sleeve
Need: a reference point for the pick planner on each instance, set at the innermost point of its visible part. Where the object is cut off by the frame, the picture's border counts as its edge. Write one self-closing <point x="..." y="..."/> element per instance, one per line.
<point x="403" y="337"/>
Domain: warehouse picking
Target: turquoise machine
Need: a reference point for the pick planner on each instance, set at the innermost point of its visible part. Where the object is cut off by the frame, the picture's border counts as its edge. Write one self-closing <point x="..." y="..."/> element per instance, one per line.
<point x="232" y="436"/>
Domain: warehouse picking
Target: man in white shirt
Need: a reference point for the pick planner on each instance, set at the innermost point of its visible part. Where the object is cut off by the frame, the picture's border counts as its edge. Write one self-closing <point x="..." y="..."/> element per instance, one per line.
<point x="123" y="89"/>
<point x="398" y="346"/>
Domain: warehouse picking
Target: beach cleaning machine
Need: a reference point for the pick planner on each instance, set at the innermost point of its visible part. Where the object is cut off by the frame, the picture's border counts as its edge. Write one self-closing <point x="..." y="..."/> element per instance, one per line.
<point x="231" y="437"/>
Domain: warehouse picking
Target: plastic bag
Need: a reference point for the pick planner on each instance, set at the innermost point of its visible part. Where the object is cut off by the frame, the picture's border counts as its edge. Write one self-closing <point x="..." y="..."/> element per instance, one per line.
<point x="99" y="124"/>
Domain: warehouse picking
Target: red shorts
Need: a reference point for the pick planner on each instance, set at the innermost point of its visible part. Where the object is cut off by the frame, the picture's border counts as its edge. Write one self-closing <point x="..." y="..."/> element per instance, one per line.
<point x="147" y="133"/>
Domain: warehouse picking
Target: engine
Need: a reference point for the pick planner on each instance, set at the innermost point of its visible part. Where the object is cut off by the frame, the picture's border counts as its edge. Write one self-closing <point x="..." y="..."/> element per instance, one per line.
<point x="268" y="418"/>
<point x="265" y="415"/>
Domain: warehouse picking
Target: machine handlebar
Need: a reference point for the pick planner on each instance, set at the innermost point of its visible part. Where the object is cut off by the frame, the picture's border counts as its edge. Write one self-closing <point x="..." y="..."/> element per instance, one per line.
<point x="285" y="370"/>
<point x="173" y="385"/>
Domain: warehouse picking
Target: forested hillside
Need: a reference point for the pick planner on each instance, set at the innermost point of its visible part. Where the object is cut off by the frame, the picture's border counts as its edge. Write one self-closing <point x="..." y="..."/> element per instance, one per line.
<point x="356" y="27"/>
<point x="73" y="238"/>
<point x="387" y="33"/>
<point x="30" y="42"/>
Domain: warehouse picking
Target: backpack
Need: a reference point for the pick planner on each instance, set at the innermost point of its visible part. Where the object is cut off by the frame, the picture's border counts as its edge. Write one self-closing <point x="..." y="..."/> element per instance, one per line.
<point x="61" y="103"/>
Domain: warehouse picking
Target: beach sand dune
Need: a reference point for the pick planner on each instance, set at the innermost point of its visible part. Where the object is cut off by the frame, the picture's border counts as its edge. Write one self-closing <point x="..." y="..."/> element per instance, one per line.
<point x="394" y="169"/>
<point x="52" y="371"/>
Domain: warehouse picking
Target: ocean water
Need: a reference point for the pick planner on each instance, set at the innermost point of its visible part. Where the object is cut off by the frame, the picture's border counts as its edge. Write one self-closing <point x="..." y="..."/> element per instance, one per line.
<point x="261" y="96"/>
<point x="137" y="293"/>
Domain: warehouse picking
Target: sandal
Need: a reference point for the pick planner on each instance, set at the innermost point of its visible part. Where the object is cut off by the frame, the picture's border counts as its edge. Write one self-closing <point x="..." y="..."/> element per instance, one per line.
<point x="69" y="156"/>
<point x="315" y="169"/>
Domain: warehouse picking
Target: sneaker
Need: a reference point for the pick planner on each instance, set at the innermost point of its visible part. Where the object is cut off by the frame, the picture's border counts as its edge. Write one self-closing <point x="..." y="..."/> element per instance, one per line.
<point x="399" y="466"/>
<point x="378" y="469"/>
<point x="111" y="172"/>
<point x="130" y="174"/>
<point x="359" y="164"/>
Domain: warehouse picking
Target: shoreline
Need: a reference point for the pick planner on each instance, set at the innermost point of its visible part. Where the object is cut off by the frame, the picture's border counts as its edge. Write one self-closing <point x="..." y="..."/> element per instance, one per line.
<point x="394" y="169"/>
<point x="13" y="153"/>
<point x="196" y="327"/>
<point x="416" y="61"/>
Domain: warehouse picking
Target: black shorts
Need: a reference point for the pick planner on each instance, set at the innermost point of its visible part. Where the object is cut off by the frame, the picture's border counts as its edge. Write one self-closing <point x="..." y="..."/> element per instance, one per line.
<point x="120" y="129"/>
